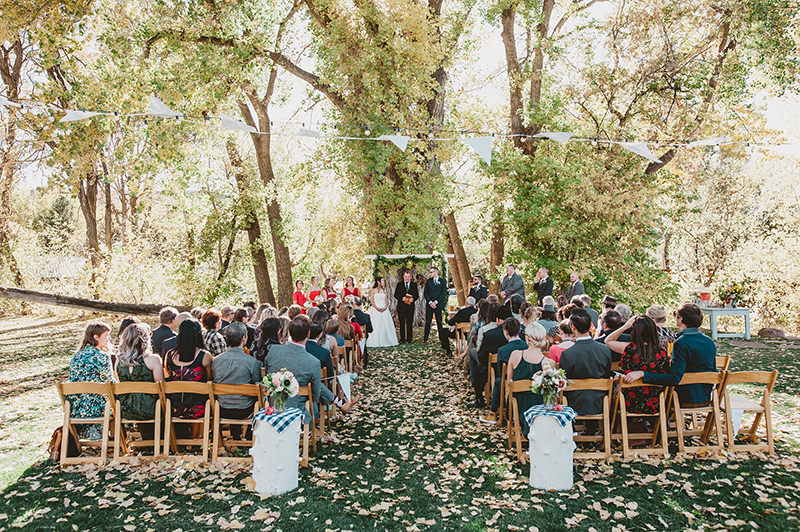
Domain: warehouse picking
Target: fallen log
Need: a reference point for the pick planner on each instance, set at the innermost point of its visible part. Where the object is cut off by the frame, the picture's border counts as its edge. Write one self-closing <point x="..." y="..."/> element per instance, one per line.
<point x="32" y="296"/>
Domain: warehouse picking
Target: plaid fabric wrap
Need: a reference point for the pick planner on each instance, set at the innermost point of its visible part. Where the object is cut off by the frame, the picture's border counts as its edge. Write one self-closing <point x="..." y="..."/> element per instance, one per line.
<point x="279" y="421"/>
<point x="563" y="417"/>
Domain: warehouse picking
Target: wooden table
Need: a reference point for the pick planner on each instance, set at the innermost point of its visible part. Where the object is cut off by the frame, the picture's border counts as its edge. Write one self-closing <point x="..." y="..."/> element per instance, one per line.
<point x="714" y="313"/>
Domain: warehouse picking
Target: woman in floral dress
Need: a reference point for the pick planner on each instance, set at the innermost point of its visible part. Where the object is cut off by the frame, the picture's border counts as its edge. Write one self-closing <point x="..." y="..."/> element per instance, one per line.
<point x="92" y="363"/>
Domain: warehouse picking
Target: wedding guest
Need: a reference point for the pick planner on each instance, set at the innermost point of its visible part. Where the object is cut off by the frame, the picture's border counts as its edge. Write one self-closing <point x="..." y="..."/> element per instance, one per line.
<point x="299" y="298"/>
<point x="314" y="291"/>
<point x="575" y="287"/>
<point x="464" y="314"/>
<point x="512" y="284"/>
<point x="234" y="366"/>
<point x="587" y="305"/>
<point x="493" y="298"/>
<point x="561" y="301"/>
<point x="567" y="341"/>
<point x="328" y="291"/>
<point x="166" y="329"/>
<point x="610" y="321"/>
<point x="136" y="362"/>
<point x="511" y="331"/>
<point x="350" y="288"/>
<point x="530" y="314"/>
<point x="212" y="338"/>
<point x="515" y="303"/>
<point x="549" y="318"/>
<point x="320" y="352"/>
<point x="326" y="340"/>
<point x="283" y="335"/>
<point x="523" y="364"/>
<point x="169" y="343"/>
<point x="658" y="314"/>
<point x="294" y="311"/>
<point x="585" y="360"/>
<point x="642" y="353"/>
<point x="305" y="368"/>
<point x="624" y="311"/>
<point x="543" y="285"/>
<point x="608" y="303"/>
<point x="197" y="313"/>
<point x="227" y="315"/>
<point x="189" y="362"/>
<point x="265" y="311"/>
<point x="492" y="340"/>
<point x="269" y="335"/>
<point x="332" y="329"/>
<point x="282" y="311"/>
<point x="91" y="363"/>
<point x="693" y="352"/>
<point x="478" y="291"/>
<point x="124" y="324"/>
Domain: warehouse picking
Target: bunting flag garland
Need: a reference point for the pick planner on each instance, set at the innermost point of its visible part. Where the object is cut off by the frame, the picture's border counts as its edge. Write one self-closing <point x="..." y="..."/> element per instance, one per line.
<point x="482" y="145"/>
<point x="235" y="125"/>
<point x="401" y="141"/>
<point x="640" y="148"/>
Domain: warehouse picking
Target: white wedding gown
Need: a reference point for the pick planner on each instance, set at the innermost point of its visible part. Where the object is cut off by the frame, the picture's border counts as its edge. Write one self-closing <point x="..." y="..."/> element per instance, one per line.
<point x="383" y="333"/>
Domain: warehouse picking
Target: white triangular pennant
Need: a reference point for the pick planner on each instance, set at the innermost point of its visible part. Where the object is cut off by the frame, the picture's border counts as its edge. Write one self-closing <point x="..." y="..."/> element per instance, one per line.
<point x="74" y="116"/>
<point x="309" y="133"/>
<point x="158" y="108"/>
<point x="640" y="148"/>
<point x="401" y="141"/>
<point x="229" y="123"/>
<point x="481" y="145"/>
<point x="558" y="136"/>
<point x="344" y="383"/>
<point x="714" y="141"/>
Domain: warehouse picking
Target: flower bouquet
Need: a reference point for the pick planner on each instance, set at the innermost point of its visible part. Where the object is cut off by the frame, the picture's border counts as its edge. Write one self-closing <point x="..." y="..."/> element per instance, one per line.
<point x="280" y="386"/>
<point x="548" y="383"/>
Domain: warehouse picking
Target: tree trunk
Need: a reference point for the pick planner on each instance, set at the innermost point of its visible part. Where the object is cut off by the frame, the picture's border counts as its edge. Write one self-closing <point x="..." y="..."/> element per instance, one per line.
<point x="458" y="251"/>
<point x="109" y="216"/>
<point x="253" y="227"/>
<point x="44" y="298"/>
<point x="123" y="202"/>
<point x="87" y="196"/>
<point x="456" y="274"/>
<point x="497" y="250"/>
<point x="261" y="143"/>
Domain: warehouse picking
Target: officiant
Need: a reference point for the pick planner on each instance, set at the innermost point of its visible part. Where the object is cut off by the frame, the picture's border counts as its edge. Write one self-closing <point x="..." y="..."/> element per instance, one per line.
<point x="406" y="293"/>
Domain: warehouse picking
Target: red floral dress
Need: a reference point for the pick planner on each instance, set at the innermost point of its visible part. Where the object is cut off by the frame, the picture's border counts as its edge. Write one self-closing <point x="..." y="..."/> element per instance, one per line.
<point x="642" y="400"/>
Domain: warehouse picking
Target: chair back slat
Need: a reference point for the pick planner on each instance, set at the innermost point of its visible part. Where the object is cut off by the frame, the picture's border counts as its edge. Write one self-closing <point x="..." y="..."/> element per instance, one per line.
<point x="70" y="388"/>
<point x="199" y="388"/>
<point x="705" y="377"/>
<point x="122" y="388"/>
<point x="722" y="362"/>
<point x="604" y="385"/>
<point x="492" y="358"/>
<point x="250" y="390"/>
<point x="752" y="377"/>
<point x="520" y="386"/>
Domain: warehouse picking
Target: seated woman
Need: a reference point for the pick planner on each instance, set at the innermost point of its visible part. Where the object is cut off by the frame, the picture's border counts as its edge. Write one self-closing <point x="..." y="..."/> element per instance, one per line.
<point x="523" y="365"/>
<point x="137" y="363"/>
<point x="268" y="336"/>
<point x="565" y="332"/>
<point x="92" y="363"/>
<point x="642" y="353"/>
<point x="212" y="338"/>
<point x="332" y="329"/>
<point x="188" y="362"/>
<point x="327" y="340"/>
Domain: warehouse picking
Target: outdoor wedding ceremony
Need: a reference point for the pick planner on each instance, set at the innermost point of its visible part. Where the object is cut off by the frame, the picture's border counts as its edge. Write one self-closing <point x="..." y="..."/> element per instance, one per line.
<point x="341" y="265"/>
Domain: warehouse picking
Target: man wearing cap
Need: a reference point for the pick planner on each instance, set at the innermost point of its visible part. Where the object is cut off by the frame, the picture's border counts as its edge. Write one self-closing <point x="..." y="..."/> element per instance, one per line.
<point x="543" y="284"/>
<point x="658" y="314"/>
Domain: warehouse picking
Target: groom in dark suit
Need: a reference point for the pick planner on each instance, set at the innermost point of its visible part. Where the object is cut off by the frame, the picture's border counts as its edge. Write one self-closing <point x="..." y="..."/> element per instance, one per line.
<point x="405" y="311"/>
<point x="435" y="293"/>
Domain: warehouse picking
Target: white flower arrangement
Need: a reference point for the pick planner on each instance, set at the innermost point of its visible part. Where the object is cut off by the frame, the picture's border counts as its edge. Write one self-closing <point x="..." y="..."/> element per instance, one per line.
<point x="548" y="383"/>
<point x="280" y="385"/>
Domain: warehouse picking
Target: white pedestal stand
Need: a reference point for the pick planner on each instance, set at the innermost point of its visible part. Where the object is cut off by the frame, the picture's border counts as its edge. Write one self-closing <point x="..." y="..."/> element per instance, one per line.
<point x="551" y="448"/>
<point x="276" y="457"/>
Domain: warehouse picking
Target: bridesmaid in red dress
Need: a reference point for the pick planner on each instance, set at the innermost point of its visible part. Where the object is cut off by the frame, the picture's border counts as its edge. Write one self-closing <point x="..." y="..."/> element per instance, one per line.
<point x="350" y="288"/>
<point x="328" y="291"/>
<point x="299" y="298"/>
<point x="314" y="291"/>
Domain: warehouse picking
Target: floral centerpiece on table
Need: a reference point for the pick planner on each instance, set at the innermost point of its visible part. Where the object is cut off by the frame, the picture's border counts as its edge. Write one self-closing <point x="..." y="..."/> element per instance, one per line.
<point x="280" y="386"/>
<point x="548" y="383"/>
<point x="733" y="293"/>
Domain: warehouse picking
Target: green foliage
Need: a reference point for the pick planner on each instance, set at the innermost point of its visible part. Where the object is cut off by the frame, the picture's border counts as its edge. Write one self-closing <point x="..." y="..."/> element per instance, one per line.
<point x="55" y="225"/>
<point x="383" y="267"/>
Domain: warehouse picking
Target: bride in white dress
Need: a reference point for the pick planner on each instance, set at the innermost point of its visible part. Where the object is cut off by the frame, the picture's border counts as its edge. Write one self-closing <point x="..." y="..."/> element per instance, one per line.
<point x="383" y="333"/>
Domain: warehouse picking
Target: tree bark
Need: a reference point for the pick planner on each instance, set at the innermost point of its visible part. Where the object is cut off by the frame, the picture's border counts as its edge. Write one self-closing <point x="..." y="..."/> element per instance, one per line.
<point x="44" y="298"/>
<point x="496" y="252"/>
<point x="458" y="251"/>
<point x="109" y="216"/>
<point x="456" y="274"/>
<point x="253" y="227"/>
<point x="87" y="196"/>
<point x="261" y="143"/>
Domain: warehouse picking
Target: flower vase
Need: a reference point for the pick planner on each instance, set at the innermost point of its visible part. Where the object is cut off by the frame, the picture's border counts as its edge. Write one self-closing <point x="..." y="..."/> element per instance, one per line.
<point x="549" y="400"/>
<point x="279" y="403"/>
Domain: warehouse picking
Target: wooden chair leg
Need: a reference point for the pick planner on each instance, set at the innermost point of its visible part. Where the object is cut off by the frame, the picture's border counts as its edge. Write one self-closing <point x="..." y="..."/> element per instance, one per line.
<point x="304" y="462"/>
<point x="216" y="434"/>
<point x="752" y="434"/>
<point x="679" y="421"/>
<point x="768" y="423"/>
<point x="169" y="433"/>
<point x="206" y="429"/>
<point x="117" y="429"/>
<point x="729" y="422"/>
<point x="663" y="424"/>
<point x="717" y="422"/>
<point x="623" y="420"/>
<point x="157" y="431"/>
<point x="65" y="432"/>
<point x="104" y="442"/>
<point x="606" y="430"/>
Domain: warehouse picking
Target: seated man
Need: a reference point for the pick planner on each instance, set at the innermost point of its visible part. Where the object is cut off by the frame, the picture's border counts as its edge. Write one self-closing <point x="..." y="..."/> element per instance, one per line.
<point x="305" y="368"/>
<point x="165" y="330"/>
<point x="234" y="366"/>
<point x="692" y="352"/>
<point x="320" y="353"/>
<point x="609" y="322"/>
<point x="511" y="329"/>
<point x="170" y="343"/>
<point x="491" y="342"/>
<point x="462" y="316"/>
<point x="585" y="360"/>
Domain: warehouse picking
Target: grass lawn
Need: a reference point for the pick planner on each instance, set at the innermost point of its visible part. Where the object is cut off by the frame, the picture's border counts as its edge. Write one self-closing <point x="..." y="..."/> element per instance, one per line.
<point x="413" y="455"/>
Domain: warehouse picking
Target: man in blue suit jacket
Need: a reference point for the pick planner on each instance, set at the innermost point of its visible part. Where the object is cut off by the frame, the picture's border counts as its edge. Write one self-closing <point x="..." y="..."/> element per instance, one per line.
<point x="435" y="293"/>
<point x="693" y="352"/>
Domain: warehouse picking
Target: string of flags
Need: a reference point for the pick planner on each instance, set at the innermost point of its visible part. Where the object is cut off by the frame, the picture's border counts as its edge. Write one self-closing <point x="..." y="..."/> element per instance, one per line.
<point x="481" y="145"/>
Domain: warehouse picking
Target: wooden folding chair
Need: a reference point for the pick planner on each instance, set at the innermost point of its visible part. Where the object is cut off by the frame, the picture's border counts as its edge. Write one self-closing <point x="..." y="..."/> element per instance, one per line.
<point x="659" y="431"/>
<point x="489" y="389"/>
<point x="670" y="345"/>
<point x="515" y="429"/>
<point x="324" y="410"/>
<point x="604" y="385"/>
<point x="462" y="334"/>
<point x="309" y="436"/>
<point x="199" y="388"/>
<point x="121" y="435"/>
<point x="348" y="351"/>
<point x="249" y="390"/>
<point x="615" y="366"/>
<point x="501" y="410"/>
<point x="713" y="419"/>
<point x="762" y="409"/>
<point x="72" y="388"/>
<point x="723" y="362"/>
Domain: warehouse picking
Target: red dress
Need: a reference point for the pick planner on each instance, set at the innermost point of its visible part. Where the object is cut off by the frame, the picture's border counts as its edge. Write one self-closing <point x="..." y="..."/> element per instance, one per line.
<point x="354" y="292"/>
<point x="299" y="298"/>
<point x="329" y="294"/>
<point x="313" y="296"/>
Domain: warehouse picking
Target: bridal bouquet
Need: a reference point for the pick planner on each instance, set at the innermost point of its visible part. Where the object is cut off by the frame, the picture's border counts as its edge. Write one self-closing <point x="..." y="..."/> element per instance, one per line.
<point x="280" y="386"/>
<point x="548" y="383"/>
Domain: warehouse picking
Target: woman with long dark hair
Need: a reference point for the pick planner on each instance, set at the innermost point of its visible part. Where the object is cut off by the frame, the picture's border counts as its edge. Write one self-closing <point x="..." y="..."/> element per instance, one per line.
<point x="269" y="335"/>
<point x="189" y="362"/>
<point x="642" y="353"/>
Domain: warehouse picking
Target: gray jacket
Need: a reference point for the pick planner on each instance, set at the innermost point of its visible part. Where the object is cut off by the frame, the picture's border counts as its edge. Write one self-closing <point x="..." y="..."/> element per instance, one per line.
<point x="513" y="285"/>
<point x="234" y="366"/>
<point x="575" y="289"/>
<point x="306" y="369"/>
